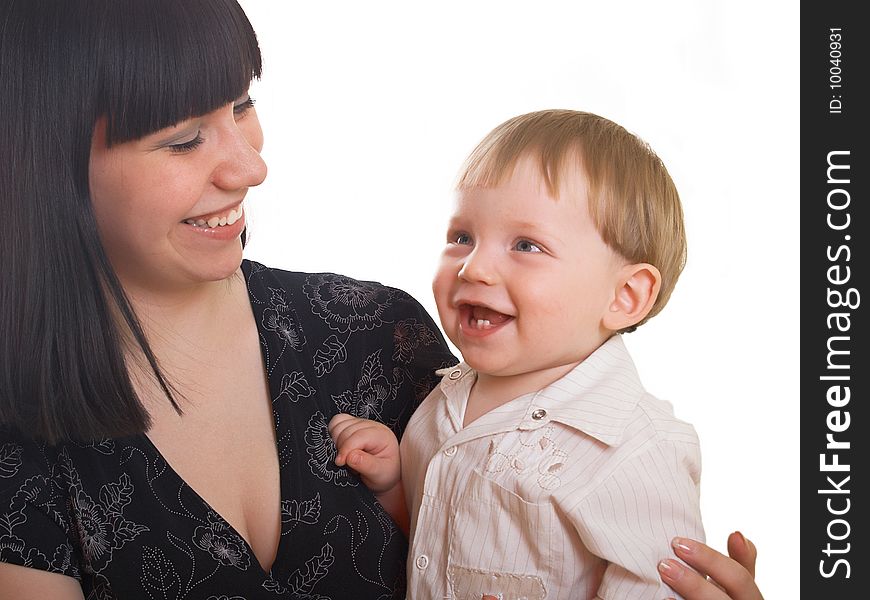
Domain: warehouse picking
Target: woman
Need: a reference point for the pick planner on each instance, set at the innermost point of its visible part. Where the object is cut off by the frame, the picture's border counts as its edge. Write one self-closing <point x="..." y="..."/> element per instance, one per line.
<point x="163" y="403"/>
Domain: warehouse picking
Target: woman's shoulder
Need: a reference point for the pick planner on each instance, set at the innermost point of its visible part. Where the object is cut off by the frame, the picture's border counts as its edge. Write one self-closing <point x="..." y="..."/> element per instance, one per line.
<point x="21" y="458"/>
<point x="358" y="339"/>
<point x="341" y="301"/>
<point x="259" y="274"/>
<point x="24" y="460"/>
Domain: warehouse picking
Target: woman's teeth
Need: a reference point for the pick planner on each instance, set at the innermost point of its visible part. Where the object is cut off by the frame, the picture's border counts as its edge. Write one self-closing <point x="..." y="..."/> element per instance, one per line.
<point x="482" y="323"/>
<point x="233" y="216"/>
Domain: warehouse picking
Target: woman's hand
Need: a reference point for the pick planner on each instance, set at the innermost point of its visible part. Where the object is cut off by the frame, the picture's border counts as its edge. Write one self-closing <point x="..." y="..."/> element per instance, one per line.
<point x="729" y="578"/>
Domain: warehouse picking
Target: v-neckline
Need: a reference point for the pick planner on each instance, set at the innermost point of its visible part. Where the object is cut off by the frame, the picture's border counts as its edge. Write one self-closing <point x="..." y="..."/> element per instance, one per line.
<point x="196" y="496"/>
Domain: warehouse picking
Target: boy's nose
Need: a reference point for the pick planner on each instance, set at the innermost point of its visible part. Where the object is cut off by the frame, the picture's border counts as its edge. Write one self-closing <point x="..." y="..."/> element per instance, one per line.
<point x="479" y="268"/>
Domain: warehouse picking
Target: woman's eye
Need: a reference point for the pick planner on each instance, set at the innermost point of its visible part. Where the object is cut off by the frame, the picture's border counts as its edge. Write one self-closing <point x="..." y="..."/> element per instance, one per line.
<point x="243" y="107"/>
<point x="527" y="246"/>
<point x="183" y="147"/>
<point x="463" y="239"/>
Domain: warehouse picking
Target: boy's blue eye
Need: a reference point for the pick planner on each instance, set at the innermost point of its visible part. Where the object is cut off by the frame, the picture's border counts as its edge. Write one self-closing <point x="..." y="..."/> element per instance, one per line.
<point x="462" y="239"/>
<point x="526" y="246"/>
<point x="188" y="146"/>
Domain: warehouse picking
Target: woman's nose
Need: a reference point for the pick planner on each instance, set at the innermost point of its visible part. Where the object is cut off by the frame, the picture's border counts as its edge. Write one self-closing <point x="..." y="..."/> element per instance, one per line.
<point x="241" y="166"/>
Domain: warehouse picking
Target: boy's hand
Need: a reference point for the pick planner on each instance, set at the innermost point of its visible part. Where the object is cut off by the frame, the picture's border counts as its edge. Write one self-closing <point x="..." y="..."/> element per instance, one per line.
<point x="369" y="448"/>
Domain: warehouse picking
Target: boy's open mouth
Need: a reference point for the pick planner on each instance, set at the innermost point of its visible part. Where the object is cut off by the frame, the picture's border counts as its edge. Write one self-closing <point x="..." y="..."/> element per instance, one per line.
<point x="482" y="318"/>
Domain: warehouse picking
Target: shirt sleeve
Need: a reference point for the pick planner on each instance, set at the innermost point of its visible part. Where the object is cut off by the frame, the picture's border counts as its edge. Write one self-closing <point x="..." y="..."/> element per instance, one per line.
<point x="34" y="525"/>
<point x="630" y="519"/>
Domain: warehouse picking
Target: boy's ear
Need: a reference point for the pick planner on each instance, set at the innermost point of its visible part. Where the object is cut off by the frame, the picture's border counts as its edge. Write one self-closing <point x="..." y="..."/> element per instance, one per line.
<point x="636" y="291"/>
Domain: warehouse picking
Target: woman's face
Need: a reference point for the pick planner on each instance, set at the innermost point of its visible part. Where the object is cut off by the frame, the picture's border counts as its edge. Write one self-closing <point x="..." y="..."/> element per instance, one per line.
<point x="169" y="205"/>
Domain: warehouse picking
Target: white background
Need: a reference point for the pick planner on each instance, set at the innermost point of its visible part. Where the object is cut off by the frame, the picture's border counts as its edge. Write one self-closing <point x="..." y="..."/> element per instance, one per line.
<point x="370" y="107"/>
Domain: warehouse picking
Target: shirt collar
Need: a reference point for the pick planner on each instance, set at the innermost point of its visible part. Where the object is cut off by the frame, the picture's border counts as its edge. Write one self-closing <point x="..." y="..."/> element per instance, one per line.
<point x="597" y="397"/>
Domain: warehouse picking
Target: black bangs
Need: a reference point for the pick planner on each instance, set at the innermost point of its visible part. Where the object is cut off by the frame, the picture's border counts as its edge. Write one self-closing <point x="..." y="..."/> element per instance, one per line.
<point x="163" y="61"/>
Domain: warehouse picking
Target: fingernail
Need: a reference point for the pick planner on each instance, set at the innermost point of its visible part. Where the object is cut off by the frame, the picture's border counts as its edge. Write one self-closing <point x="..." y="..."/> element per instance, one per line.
<point x="743" y="539"/>
<point x="683" y="545"/>
<point x="671" y="569"/>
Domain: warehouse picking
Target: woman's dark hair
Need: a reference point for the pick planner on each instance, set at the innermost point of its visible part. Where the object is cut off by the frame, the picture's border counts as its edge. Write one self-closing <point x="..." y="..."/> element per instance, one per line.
<point x="65" y="320"/>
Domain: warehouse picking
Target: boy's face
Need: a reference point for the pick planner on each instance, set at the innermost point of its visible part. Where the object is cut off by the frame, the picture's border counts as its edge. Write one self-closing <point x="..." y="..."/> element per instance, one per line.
<point x="525" y="279"/>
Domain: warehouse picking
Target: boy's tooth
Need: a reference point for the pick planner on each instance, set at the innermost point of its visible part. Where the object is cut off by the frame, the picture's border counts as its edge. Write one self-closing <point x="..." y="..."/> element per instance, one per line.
<point x="223" y="221"/>
<point x="213" y="222"/>
<point x="234" y="216"/>
<point x="200" y="222"/>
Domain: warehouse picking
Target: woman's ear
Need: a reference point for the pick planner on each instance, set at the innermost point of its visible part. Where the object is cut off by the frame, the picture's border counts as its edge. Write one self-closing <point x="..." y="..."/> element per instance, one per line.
<point x="635" y="294"/>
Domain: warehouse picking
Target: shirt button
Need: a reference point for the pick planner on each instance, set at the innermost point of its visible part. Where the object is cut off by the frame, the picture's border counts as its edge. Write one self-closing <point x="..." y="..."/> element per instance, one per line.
<point x="455" y="374"/>
<point x="450" y="451"/>
<point x="422" y="562"/>
<point x="539" y="414"/>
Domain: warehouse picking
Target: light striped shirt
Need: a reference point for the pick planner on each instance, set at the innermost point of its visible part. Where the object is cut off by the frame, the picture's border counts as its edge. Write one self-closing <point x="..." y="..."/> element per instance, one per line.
<point x="572" y="492"/>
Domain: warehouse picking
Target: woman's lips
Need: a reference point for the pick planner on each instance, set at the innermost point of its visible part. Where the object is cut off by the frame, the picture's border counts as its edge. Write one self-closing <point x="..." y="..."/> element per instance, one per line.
<point x="234" y="224"/>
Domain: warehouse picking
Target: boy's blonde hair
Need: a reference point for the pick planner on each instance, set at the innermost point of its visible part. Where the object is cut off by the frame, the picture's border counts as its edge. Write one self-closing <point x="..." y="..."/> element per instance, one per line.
<point x="632" y="199"/>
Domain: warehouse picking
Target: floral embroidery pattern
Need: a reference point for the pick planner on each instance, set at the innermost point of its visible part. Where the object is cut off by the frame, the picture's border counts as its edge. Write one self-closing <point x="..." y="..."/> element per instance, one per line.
<point x="536" y="449"/>
<point x="222" y="543"/>
<point x="14" y="547"/>
<point x="329" y="355"/>
<point x="101" y="527"/>
<point x="294" y="386"/>
<point x="37" y="492"/>
<point x="159" y="577"/>
<point x="10" y="460"/>
<point x="347" y="304"/>
<point x="322" y="451"/>
<point x="279" y="318"/>
<point x="113" y="513"/>
<point x="409" y="335"/>
<point x="294" y="512"/>
<point x="359" y="535"/>
<point x="302" y="581"/>
<point x="372" y="391"/>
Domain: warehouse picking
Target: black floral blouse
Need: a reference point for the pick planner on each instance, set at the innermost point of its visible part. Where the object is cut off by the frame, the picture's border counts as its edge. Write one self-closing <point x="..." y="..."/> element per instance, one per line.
<point x="114" y="515"/>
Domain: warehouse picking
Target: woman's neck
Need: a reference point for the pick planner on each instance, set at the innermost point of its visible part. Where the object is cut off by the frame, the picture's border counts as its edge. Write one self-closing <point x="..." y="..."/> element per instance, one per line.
<point x="189" y="331"/>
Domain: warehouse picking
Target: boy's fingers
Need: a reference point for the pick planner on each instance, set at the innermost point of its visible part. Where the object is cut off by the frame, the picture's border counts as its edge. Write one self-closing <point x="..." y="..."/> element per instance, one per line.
<point x="363" y="439"/>
<point x="340" y="418"/>
<point x="344" y="432"/>
<point x="340" y="422"/>
<point x="361" y="462"/>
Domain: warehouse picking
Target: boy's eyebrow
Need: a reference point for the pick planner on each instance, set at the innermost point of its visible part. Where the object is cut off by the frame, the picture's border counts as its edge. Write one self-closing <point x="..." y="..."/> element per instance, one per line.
<point x="533" y="227"/>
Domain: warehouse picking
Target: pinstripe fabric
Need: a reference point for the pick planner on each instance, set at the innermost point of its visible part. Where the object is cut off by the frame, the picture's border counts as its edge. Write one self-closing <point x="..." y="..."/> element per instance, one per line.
<point x="571" y="492"/>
